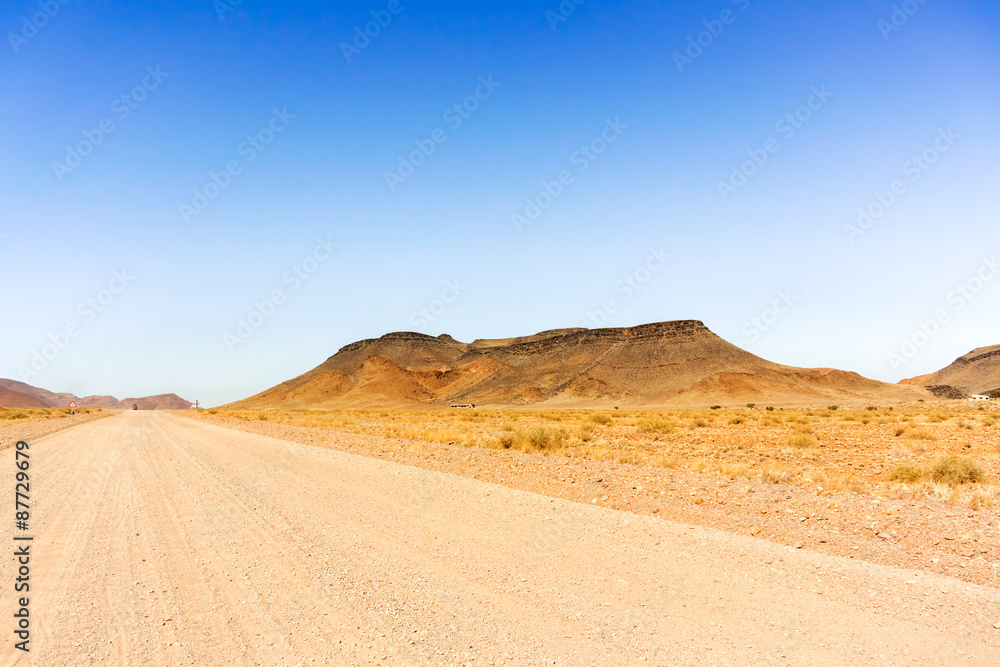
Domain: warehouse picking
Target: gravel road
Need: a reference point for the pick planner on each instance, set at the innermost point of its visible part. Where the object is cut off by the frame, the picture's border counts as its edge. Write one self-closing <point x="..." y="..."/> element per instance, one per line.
<point x="164" y="541"/>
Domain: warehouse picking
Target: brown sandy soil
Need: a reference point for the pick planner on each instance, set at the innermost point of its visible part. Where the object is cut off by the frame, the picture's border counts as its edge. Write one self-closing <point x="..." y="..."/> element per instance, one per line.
<point x="856" y="515"/>
<point x="43" y="422"/>
<point x="196" y="544"/>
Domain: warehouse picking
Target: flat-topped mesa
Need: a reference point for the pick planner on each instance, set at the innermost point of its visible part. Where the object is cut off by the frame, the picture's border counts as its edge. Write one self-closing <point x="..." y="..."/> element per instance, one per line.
<point x="679" y="362"/>
<point x="979" y="354"/>
<point x="396" y="336"/>
<point x="976" y="372"/>
<point x="676" y="328"/>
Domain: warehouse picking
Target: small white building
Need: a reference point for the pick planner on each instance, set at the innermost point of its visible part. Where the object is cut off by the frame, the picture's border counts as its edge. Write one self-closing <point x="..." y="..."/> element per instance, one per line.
<point x="979" y="397"/>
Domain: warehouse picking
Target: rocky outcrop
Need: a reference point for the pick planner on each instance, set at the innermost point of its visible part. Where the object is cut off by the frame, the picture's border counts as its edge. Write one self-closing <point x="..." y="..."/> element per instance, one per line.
<point x="663" y="362"/>
<point x="977" y="372"/>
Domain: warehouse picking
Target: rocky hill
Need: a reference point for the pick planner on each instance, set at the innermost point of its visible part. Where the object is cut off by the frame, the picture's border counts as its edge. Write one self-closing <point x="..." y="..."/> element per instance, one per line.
<point x="977" y="372"/>
<point x="14" y="394"/>
<point x="680" y="362"/>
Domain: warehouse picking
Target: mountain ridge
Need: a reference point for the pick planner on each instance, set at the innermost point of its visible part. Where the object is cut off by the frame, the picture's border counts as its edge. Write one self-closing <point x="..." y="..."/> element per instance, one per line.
<point x="679" y="361"/>
<point x="975" y="372"/>
<point x="16" y="394"/>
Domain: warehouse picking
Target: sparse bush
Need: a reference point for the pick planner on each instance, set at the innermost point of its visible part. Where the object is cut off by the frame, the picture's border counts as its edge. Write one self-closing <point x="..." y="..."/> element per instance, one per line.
<point x="906" y="473"/>
<point x="921" y="434"/>
<point x="600" y="418"/>
<point x="736" y="420"/>
<point x="543" y="438"/>
<point x="833" y="407"/>
<point x="770" y="408"/>
<point x="751" y="405"/>
<point x="655" y="425"/>
<point x="716" y="407"/>
<point x="801" y="441"/>
<point x="953" y="470"/>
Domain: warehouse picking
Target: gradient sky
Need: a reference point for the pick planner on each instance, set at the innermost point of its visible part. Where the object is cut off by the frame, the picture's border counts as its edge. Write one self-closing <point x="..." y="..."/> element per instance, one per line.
<point x="891" y="91"/>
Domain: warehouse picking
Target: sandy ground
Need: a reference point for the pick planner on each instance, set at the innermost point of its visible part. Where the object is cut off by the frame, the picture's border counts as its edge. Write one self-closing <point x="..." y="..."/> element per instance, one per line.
<point x="12" y="431"/>
<point x="893" y="529"/>
<point x="166" y="541"/>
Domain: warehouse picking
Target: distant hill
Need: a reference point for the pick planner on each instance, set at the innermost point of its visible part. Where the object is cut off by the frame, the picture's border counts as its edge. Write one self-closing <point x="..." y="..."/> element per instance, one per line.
<point x="977" y="372"/>
<point x="14" y="394"/>
<point x="680" y="362"/>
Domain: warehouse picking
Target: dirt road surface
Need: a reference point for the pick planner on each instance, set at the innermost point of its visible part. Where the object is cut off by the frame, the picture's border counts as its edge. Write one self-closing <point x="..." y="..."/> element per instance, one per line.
<point x="163" y="541"/>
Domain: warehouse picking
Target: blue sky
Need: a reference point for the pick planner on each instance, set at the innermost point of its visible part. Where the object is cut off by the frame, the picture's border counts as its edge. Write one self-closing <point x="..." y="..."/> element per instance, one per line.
<point x="739" y="138"/>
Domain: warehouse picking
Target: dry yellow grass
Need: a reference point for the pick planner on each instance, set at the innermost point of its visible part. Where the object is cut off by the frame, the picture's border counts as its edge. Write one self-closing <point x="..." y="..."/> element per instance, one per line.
<point x="32" y="414"/>
<point x="865" y="450"/>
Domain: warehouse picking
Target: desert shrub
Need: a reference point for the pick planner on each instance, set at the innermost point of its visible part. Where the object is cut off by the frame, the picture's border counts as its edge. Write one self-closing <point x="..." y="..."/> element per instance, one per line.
<point x="772" y="475"/>
<point x="801" y="441"/>
<point x="751" y="405"/>
<point x="600" y="418"/>
<point x="833" y="407"/>
<point x="543" y="438"/>
<point x="655" y="425"/>
<point x="921" y="434"/>
<point x="770" y="408"/>
<point x="716" y="407"/>
<point x="953" y="470"/>
<point x="906" y="473"/>
<point x="213" y="411"/>
<point x="736" y="420"/>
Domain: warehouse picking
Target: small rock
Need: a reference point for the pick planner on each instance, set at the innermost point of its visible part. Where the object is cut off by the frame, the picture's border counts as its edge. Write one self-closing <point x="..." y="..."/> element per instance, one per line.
<point x="798" y="545"/>
<point x="884" y="535"/>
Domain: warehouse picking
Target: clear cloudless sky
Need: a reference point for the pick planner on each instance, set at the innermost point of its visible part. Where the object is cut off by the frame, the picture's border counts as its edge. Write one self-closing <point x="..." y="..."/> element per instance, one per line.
<point x="688" y="91"/>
